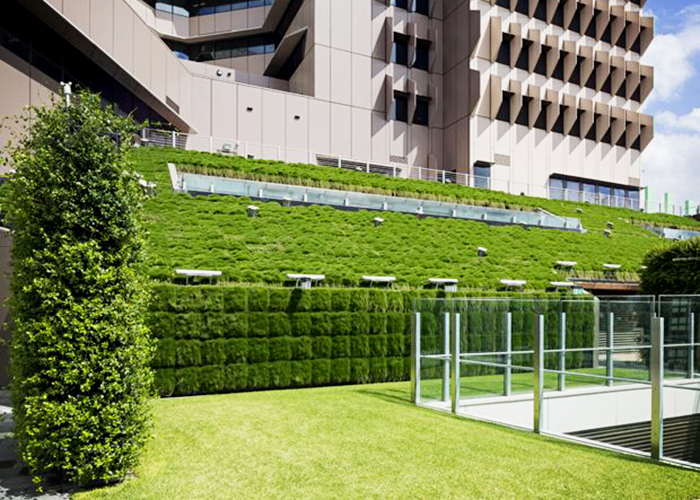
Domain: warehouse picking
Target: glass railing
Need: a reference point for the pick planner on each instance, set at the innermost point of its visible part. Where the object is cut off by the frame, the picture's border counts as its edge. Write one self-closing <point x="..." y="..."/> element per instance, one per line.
<point x="202" y="184"/>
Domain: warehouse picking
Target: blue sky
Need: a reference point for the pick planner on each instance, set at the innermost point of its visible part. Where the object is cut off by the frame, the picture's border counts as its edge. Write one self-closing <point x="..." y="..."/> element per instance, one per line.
<point x="672" y="162"/>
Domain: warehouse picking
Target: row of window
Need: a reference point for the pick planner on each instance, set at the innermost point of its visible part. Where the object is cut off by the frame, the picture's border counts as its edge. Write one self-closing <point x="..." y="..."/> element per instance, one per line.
<point x="421" y="115"/>
<point x="224" y="49"/>
<point x="575" y="25"/>
<point x="400" y="53"/>
<point x="186" y="9"/>
<point x="540" y="123"/>
<point x="523" y="62"/>
<point x="569" y="189"/>
<point x="417" y="6"/>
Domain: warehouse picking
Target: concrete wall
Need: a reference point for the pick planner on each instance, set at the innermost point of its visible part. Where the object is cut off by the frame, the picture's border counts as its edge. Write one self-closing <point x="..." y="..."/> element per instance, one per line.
<point x="22" y="85"/>
<point x="582" y="409"/>
<point x="534" y="155"/>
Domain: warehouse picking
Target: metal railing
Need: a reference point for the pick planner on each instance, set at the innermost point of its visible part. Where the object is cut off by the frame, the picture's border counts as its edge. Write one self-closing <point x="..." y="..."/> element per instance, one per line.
<point x="454" y="357"/>
<point x="253" y="150"/>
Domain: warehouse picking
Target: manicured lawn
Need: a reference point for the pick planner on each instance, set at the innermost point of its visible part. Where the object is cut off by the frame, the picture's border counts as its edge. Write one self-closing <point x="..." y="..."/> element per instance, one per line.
<point x="369" y="442"/>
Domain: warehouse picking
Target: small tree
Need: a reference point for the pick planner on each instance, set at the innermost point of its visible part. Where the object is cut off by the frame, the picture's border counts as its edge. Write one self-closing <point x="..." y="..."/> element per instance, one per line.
<point x="673" y="269"/>
<point x="80" y="352"/>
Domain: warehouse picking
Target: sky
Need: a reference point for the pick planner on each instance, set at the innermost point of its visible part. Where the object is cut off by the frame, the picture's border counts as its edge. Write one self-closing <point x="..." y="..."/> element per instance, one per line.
<point x="671" y="163"/>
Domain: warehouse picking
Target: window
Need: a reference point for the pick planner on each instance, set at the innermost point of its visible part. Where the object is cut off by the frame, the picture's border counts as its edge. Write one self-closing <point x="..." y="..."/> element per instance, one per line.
<point x="482" y="174"/>
<point x="422" y="59"/>
<point x="403" y="4"/>
<point x="400" y="111"/>
<point x="422" y="7"/>
<point x="422" y="114"/>
<point x="399" y="49"/>
<point x="574" y="189"/>
<point x="556" y="189"/>
<point x="620" y="197"/>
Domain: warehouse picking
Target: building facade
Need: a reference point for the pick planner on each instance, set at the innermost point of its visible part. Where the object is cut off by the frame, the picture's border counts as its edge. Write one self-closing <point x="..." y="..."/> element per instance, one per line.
<point x="527" y="96"/>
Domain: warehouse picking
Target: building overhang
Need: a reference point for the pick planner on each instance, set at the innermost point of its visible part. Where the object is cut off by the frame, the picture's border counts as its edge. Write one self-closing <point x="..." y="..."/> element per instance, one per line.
<point x="73" y="35"/>
<point x="284" y="52"/>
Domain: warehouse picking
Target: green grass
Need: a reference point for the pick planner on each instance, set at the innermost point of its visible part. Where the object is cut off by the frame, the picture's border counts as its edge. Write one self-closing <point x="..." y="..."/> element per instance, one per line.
<point x="369" y="442"/>
<point x="214" y="233"/>
<point x="522" y="382"/>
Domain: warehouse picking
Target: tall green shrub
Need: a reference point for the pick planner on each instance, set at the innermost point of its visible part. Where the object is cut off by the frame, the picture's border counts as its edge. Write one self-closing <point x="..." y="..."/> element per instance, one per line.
<point x="673" y="270"/>
<point x="80" y="352"/>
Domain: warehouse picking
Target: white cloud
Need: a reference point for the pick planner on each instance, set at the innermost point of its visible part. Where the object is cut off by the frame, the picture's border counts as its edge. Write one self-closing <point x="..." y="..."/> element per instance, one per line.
<point x="672" y="55"/>
<point x="671" y="122"/>
<point x="671" y="163"/>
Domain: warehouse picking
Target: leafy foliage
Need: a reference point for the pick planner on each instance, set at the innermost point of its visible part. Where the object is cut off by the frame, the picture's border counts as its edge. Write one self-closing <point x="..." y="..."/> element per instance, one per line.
<point x="80" y="351"/>
<point x="673" y="270"/>
<point x="322" y="336"/>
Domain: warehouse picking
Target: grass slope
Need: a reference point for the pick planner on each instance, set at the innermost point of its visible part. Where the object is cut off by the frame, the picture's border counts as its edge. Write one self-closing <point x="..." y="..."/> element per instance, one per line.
<point x="369" y="442"/>
<point x="214" y="233"/>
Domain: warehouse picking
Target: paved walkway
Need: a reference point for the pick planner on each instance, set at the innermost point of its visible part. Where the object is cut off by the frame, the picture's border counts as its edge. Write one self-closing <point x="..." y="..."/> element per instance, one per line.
<point x="15" y="483"/>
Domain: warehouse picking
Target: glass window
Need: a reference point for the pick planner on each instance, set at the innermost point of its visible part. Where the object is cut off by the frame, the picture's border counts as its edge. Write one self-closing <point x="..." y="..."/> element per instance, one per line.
<point x="633" y="195"/>
<point x="400" y="111"/>
<point x="400" y="3"/>
<point x="422" y="59"/>
<point x="422" y="113"/>
<point x="239" y="5"/>
<point x="399" y="50"/>
<point x="605" y="193"/>
<point x="422" y="7"/>
<point x="573" y="190"/>
<point x="223" y="8"/>
<point x="164" y="7"/>
<point x="256" y="49"/>
<point x="620" y="197"/>
<point x="482" y="175"/>
<point x="556" y="189"/>
<point x="205" y="11"/>
<point x="589" y="193"/>
<point x="180" y="11"/>
<point x="239" y="51"/>
<point x="255" y="3"/>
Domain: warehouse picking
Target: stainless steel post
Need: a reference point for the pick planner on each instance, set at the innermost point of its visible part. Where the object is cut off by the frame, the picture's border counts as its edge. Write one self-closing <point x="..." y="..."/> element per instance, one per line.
<point x="609" y="372"/>
<point x="691" y="354"/>
<point x="507" y="379"/>
<point x="446" y="362"/>
<point x="415" y="355"/>
<point x="562" y="353"/>
<point x="657" y="389"/>
<point x="538" y="373"/>
<point x="455" y="362"/>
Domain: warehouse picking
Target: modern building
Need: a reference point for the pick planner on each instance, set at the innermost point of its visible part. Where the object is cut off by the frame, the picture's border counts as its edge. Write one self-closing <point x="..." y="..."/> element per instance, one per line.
<point x="527" y="96"/>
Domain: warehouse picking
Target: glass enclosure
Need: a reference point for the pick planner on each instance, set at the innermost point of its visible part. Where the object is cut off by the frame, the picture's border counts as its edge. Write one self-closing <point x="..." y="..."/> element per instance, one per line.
<point x="619" y="372"/>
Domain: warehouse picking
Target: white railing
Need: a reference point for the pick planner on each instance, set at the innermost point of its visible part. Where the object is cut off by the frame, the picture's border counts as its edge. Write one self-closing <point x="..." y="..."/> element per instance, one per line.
<point x="246" y="149"/>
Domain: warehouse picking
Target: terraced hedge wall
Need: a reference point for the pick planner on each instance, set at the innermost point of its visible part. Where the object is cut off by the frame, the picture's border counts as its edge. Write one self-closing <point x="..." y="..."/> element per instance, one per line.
<point x="224" y="339"/>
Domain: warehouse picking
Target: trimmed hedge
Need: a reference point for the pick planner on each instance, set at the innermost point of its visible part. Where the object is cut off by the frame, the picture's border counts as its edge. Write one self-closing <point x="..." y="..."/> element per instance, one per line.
<point x="253" y="338"/>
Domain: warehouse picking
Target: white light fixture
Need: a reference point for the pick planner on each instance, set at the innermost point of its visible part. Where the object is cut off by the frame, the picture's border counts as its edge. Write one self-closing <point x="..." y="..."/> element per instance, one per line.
<point x="253" y="211"/>
<point x="378" y="221"/>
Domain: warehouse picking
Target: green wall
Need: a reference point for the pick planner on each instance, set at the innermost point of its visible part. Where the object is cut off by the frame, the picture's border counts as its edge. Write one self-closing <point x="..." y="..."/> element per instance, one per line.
<point x="215" y="339"/>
